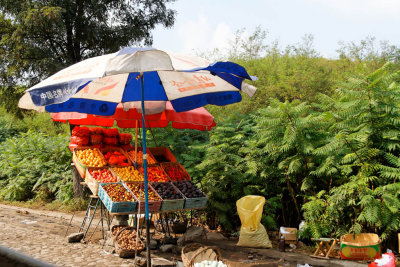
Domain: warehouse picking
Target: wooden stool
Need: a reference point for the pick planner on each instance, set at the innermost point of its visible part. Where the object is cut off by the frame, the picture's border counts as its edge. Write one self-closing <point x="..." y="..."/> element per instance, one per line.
<point x="325" y="246"/>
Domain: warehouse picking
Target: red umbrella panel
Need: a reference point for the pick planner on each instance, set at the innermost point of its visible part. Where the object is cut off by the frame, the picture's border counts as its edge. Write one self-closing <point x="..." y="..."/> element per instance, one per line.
<point x="196" y="119"/>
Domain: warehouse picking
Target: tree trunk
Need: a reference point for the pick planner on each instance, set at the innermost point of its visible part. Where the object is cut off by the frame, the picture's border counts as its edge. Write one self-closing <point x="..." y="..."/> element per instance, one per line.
<point x="293" y="197"/>
<point x="78" y="188"/>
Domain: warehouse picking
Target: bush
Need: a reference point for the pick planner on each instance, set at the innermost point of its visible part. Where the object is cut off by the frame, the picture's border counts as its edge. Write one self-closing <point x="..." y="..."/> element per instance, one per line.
<point x="33" y="165"/>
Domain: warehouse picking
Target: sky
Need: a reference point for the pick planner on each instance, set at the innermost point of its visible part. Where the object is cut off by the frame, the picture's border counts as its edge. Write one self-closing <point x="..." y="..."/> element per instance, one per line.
<point x="203" y="25"/>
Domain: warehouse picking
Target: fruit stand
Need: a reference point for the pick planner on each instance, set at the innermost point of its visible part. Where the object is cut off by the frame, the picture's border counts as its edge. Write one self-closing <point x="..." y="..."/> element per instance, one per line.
<point x="105" y="161"/>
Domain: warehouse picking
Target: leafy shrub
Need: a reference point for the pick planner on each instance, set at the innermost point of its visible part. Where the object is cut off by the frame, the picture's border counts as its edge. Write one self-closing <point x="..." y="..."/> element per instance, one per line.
<point x="33" y="164"/>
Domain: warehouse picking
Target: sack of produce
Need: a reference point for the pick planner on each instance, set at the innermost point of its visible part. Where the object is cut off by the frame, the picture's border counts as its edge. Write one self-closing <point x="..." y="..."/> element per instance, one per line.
<point x="113" y="132"/>
<point x="252" y="232"/>
<point x="96" y="130"/>
<point x="96" y="139"/>
<point x="126" y="147"/>
<point x="125" y="243"/>
<point x="72" y="146"/>
<point x="108" y="147"/>
<point x="110" y="140"/>
<point x="99" y="146"/>
<point x="124" y="138"/>
<point x="81" y="131"/>
<point x="80" y="141"/>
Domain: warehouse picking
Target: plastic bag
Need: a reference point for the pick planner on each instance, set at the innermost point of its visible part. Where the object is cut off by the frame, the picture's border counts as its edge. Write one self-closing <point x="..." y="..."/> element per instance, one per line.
<point x="110" y="140"/>
<point x="113" y="132"/>
<point x="96" y="130"/>
<point x="252" y="232"/>
<point x="124" y="138"/>
<point x="126" y="147"/>
<point x="96" y="139"/>
<point x="80" y="141"/>
<point x="387" y="260"/>
<point x="81" y="131"/>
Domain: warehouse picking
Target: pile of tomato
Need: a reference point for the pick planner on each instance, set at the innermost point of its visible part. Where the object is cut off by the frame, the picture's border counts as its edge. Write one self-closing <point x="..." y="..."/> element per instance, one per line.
<point x="155" y="174"/>
<point x="116" y="158"/>
<point x="175" y="172"/>
<point x="103" y="176"/>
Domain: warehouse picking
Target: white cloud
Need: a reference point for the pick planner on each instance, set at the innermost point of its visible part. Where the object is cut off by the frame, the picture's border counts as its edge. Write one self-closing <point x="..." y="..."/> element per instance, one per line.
<point x="222" y="36"/>
<point x="199" y="35"/>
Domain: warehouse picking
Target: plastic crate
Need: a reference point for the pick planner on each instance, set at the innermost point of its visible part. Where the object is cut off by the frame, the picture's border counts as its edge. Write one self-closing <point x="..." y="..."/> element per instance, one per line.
<point x="162" y="154"/>
<point x="154" y="206"/>
<point x="194" y="202"/>
<point x="172" y="204"/>
<point x="116" y="207"/>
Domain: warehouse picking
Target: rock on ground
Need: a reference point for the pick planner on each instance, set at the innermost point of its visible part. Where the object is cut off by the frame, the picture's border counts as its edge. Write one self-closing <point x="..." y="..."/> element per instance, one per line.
<point x="193" y="234"/>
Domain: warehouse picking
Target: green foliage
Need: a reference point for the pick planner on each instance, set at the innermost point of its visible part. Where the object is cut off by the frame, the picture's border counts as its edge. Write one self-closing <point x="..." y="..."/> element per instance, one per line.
<point x="365" y="146"/>
<point x="34" y="165"/>
<point x="39" y="38"/>
<point x="224" y="179"/>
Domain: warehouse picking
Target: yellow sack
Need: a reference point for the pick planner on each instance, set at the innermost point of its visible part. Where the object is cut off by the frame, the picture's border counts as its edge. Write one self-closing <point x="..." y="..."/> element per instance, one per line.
<point x="252" y="232"/>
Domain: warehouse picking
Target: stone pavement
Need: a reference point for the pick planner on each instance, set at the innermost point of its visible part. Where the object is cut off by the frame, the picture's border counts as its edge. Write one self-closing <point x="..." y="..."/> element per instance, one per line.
<point x="40" y="234"/>
<point x="44" y="240"/>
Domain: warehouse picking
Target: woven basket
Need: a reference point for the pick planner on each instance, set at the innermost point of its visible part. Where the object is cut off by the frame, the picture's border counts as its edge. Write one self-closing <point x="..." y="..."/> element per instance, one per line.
<point x="113" y="237"/>
<point x="195" y="252"/>
<point x="122" y="252"/>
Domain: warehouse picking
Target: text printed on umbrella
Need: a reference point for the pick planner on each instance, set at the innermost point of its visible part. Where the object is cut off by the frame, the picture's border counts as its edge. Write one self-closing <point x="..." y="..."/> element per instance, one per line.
<point x="56" y="93"/>
<point x="197" y="82"/>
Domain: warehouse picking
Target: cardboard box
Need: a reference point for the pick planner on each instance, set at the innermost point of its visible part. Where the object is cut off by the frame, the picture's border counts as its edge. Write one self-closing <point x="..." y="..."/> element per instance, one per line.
<point x="360" y="247"/>
<point x="290" y="234"/>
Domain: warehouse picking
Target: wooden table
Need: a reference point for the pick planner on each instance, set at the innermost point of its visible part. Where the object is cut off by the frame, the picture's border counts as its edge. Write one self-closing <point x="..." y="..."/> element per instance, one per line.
<point x="325" y="246"/>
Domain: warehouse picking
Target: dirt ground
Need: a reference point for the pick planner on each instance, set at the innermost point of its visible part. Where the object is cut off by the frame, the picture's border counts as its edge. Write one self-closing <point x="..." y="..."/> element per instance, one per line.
<point x="41" y="234"/>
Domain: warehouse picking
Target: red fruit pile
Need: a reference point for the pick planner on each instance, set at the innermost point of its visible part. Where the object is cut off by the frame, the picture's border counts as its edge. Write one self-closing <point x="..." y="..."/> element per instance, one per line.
<point x="124" y="138"/>
<point x="138" y="190"/>
<point x="150" y="159"/>
<point x="118" y="193"/>
<point x="116" y="158"/>
<point x="103" y="176"/>
<point x="155" y="174"/>
<point x="175" y="172"/>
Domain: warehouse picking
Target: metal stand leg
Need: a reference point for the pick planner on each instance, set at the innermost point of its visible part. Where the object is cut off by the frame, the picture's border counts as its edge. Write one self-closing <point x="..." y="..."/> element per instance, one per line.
<point x="89" y="215"/>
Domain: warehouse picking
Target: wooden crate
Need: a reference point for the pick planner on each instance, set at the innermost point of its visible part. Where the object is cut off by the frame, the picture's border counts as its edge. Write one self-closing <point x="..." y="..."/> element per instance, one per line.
<point x="79" y="165"/>
<point x="150" y="155"/>
<point x="116" y="207"/>
<point x="120" y="150"/>
<point x="120" y="179"/>
<point x="92" y="183"/>
<point x="162" y="154"/>
<point x="165" y="165"/>
<point x="156" y="167"/>
<point x="154" y="206"/>
<point x="171" y="204"/>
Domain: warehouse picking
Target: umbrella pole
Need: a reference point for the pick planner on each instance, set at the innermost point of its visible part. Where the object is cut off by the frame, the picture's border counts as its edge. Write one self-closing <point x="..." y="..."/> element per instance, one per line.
<point x="136" y="130"/>
<point x="146" y="196"/>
